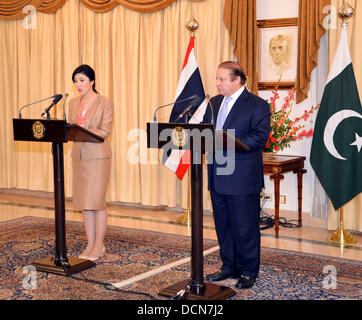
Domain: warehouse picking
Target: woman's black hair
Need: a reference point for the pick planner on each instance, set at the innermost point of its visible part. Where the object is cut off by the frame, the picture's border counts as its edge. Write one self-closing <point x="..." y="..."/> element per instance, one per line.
<point x="87" y="71"/>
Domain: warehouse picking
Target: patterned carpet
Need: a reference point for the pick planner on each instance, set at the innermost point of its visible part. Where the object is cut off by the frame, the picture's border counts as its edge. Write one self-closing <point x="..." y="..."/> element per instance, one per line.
<point x="284" y="275"/>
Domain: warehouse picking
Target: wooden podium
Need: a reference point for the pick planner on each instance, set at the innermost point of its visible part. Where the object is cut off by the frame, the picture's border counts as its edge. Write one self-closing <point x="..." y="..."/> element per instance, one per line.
<point x="199" y="139"/>
<point x="57" y="132"/>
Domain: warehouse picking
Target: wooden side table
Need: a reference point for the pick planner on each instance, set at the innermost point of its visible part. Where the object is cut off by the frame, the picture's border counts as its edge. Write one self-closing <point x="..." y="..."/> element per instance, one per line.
<point x="275" y="166"/>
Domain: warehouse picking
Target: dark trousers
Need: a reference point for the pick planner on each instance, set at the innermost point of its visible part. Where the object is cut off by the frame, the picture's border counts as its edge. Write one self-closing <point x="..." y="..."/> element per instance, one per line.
<point x="237" y="228"/>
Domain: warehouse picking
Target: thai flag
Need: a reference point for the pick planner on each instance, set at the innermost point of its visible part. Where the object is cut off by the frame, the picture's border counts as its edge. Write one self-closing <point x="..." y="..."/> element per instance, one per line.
<point x="189" y="84"/>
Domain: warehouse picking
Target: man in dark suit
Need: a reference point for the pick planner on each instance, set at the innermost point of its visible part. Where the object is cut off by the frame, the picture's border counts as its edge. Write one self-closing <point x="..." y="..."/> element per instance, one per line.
<point x="235" y="194"/>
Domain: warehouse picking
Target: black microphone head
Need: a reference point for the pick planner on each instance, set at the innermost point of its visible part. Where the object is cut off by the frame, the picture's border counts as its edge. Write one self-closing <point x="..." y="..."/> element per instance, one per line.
<point x="195" y="101"/>
<point x="57" y="98"/>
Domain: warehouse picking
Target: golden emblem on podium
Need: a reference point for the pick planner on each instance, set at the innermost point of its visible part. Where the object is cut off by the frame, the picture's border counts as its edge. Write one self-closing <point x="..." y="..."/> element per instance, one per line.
<point x="38" y="130"/>
<point x="179" y="137"/>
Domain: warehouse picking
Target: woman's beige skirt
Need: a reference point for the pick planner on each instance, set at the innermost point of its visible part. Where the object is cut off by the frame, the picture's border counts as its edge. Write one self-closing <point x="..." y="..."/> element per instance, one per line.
<point x="90" y="180"/>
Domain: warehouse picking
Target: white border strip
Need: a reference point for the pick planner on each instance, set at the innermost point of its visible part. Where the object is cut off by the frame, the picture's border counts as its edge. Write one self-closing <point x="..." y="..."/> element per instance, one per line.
<point x="342" y="56"/>
<point x="186" y="73"/>
<point x="158" y="270"/>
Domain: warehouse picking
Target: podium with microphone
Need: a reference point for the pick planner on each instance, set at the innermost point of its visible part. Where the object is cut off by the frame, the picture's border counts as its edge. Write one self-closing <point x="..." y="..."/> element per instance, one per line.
<point x="199" y="138"/>
<point x="57" y="132"/>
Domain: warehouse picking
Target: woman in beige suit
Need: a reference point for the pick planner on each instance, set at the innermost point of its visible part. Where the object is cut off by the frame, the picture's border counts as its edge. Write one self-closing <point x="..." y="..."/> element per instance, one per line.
<point x="91" y="161"/>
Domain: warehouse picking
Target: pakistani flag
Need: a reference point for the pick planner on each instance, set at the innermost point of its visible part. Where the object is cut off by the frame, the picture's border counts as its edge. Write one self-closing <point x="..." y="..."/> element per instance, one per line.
<point x="336" y="154"/>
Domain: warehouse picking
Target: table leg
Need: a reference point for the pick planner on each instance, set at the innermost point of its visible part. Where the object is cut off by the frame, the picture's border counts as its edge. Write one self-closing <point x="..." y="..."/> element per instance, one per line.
<point x="276" y="177"/>
<point x="300" y="173"/>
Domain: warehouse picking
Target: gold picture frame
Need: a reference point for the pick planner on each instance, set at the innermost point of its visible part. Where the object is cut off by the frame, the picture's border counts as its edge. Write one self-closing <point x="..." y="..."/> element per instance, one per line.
<point x="277" y="53"/>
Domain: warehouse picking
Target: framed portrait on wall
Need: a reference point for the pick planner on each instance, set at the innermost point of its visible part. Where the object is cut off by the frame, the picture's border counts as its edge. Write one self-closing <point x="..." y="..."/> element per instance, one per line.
<point x="277" y="53"/>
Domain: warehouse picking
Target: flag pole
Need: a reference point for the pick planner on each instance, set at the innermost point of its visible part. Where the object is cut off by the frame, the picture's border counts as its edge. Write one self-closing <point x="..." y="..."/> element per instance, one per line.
<point x="341" y="235"/>
<point x="185" y="218"/>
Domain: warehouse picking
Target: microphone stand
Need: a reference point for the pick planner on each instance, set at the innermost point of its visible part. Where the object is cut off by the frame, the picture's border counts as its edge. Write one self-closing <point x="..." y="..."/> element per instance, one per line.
<point x="179" y="101"/>
<point x="27" y="105"/>
<point x="212" y="109"/>
<point x="47" y="113"/>
<point x="64" y="115"/>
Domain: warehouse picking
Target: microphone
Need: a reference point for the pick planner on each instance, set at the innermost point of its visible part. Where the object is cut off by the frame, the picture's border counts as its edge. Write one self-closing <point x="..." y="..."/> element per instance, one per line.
<point x="193" y="104"/>
<point x="27" y="105"/>
<point x="207" y="97"/>
<point x="55" y="101"/>
<point x="64" y="116"/>
<point x="179" y="101"/>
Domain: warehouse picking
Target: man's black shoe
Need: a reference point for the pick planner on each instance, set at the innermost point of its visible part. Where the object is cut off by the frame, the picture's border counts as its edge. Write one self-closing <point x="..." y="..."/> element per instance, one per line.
<point x="245" y="282"/>
<point x="220" y="275"/>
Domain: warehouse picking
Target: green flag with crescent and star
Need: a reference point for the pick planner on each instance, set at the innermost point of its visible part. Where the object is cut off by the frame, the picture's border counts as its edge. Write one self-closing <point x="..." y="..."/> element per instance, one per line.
<point x="336" y="154"/>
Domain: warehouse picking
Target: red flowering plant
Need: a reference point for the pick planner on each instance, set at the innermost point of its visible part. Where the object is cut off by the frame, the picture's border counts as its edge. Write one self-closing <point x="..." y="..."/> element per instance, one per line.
<point x="283" y="129"/>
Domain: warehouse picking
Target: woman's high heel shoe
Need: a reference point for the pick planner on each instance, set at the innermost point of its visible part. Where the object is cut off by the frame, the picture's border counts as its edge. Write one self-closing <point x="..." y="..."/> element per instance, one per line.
<point x="101" y="254"/>
<point x="82" y="256"/>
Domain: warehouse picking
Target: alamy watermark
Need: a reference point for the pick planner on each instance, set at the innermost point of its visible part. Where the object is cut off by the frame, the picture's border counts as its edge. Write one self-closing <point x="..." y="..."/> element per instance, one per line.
<point x="330" y="280"/>
<point x="29" y="281"/>
<point x="218" y="151"/>
<point x="29" y="22"/>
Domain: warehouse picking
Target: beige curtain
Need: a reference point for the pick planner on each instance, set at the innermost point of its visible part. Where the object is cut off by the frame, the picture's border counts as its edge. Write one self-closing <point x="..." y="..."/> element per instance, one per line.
<point x="240" y="20"/>
<point x="353" y="209"/>
<point x="13" y="9"/>
<point x="311" y="30"/>
<point x="137" y="58"/>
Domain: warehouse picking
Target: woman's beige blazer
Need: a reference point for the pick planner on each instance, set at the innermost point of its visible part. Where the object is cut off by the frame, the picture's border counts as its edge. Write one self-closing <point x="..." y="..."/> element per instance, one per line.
<point x="99" y="121"/>
<point x="92" y="161"/>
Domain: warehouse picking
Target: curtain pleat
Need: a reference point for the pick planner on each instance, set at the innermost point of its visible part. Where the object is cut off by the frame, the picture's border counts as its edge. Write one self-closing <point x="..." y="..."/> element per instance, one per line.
<point x="51" y="6"/>
<point x="100" y="6"/>
<point x="240" y="20"/>
<point x="311" y="30"/>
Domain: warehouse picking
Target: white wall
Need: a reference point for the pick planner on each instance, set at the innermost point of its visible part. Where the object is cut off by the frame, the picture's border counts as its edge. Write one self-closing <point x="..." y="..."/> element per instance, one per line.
<point x="275" y="9"/>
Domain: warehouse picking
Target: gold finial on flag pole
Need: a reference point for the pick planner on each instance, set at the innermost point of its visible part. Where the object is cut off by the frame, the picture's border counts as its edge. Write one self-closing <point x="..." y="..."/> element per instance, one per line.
<point x="341" y="235"/>
<point x="345" y="13"/>
<point x="192" y="26"/>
